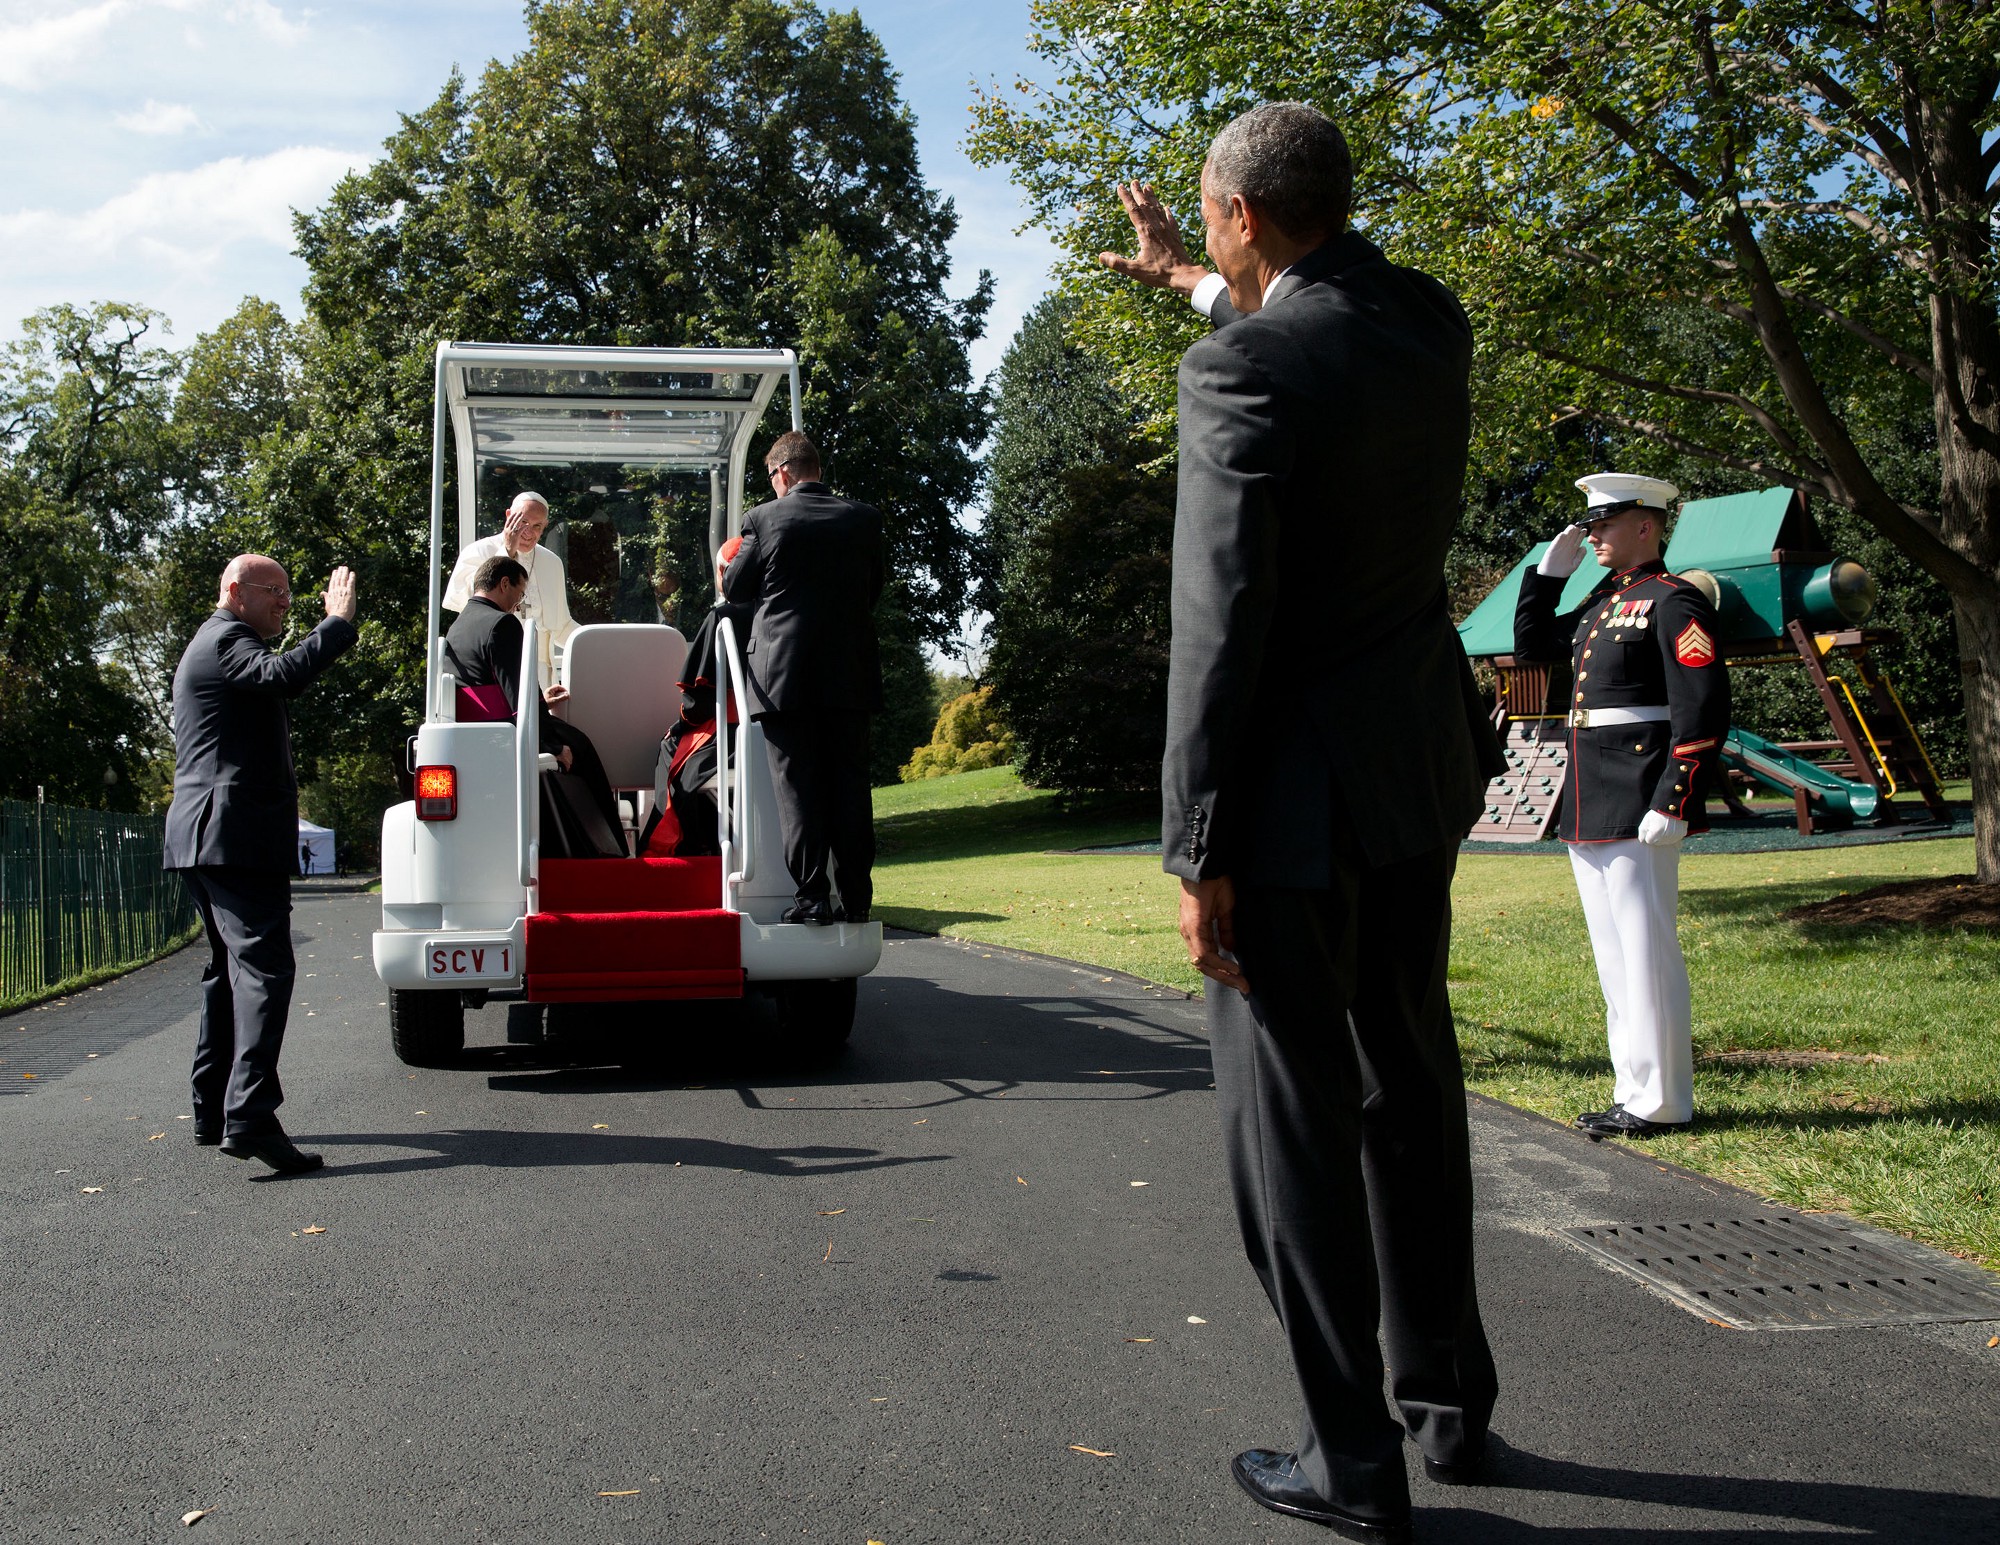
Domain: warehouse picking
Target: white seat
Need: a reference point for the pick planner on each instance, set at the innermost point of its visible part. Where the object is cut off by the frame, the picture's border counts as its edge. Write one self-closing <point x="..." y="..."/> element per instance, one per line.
<point x="624" y="694"/>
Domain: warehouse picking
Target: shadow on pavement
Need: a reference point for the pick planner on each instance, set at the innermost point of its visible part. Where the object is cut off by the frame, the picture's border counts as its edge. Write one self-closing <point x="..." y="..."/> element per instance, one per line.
<point x="970" y="1048"/>
<point x="1842" y="1511"/>
<point x="491" y="1149"/>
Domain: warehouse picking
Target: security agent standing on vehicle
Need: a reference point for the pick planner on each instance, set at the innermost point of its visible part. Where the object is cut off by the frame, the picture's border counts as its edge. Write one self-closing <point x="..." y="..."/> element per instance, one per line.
<point x="811" y="569"/>
<point x="232" y="832"/>
<point x="1648" y="711"/>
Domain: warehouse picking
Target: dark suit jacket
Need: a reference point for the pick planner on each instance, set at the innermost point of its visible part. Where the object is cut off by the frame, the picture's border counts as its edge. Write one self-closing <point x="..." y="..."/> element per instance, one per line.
<point x="1318" y="698"/>
<point x="235" y="795"/>
<point x="812" y="565"/>
<point x="482" y="648"/>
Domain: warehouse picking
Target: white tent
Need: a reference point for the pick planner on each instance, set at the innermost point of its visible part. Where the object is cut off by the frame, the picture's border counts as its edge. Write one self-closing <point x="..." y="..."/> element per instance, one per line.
<point x="315" y="848"/>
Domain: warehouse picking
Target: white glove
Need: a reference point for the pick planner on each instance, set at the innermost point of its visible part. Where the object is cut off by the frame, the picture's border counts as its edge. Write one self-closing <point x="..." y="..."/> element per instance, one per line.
<point x="1563" y="554"/>
<point x="1657" y="829"/>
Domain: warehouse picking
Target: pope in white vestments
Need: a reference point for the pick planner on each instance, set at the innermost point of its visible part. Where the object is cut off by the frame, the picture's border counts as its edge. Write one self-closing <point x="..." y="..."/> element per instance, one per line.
<point x="546" y="599"/>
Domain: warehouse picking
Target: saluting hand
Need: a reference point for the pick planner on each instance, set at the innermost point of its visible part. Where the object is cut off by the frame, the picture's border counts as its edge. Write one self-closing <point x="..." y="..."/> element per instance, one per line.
<point x="1208" y="924"/>
<point x="1563" y="554"/>
<point x="1162" y="260"/>
<point x="340" y="600"/>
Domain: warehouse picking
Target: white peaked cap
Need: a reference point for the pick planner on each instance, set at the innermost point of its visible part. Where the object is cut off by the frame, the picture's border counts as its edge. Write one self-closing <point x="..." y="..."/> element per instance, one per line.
<point x="1604" y="489"/>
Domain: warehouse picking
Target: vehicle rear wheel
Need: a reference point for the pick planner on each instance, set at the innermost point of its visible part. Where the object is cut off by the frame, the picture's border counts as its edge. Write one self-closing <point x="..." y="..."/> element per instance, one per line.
<point x="426" y="1028"/>
<point x="817" y="1016"/>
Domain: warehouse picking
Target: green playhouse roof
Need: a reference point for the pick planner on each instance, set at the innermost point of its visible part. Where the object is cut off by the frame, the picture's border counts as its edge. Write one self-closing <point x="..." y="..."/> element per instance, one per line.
<point x="1733" y="532"/>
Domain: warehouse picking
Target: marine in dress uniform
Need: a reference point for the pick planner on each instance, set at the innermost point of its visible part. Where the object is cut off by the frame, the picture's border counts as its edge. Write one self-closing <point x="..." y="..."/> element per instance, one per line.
<point x="1648" y="710"/>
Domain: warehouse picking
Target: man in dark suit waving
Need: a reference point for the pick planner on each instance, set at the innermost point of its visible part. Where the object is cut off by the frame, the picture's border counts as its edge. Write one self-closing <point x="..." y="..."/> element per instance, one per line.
<point x="233" y="832"/>
<point x="812" y="566"/>
<point x="1326" y="752"/>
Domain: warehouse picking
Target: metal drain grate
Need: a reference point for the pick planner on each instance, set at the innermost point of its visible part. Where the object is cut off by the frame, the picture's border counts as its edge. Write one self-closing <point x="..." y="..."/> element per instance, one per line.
<point x="1789" y="1273"/>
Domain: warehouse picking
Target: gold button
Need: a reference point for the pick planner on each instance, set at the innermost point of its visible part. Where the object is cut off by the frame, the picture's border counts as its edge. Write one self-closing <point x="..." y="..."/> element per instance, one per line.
<point x="1602" y="615"/>
<point x="1583" y="675"/>
<point x="1579" y="697"/>
<point x="1586" y="654"/>
<point x="1593" y="632"/>
<point x="1677" y="788"/>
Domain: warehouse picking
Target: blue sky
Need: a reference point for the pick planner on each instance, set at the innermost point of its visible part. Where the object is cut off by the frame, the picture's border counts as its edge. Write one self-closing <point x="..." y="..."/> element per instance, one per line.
<point x="155" y="147"/>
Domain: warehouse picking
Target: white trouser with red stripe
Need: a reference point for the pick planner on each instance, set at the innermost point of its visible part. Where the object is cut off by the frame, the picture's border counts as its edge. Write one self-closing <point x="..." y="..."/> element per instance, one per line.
<point x="1631" y="894"/>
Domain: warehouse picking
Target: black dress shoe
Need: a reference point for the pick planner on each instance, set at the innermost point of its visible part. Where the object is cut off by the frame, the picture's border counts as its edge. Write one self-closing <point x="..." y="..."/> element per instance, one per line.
<point x="1620" y="1122"/>
<point x="207" y="1137"/>
<point x="817" y="912"/>
<point x="1273" y="1481"/>
<point x="1472" y="1471"/>
<point x="854" y="915"/>
<point x="274" y="1148"/>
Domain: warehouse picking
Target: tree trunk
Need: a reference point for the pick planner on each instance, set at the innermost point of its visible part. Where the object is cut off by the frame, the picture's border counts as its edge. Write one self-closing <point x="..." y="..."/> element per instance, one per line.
<point x="1979" y="664"/>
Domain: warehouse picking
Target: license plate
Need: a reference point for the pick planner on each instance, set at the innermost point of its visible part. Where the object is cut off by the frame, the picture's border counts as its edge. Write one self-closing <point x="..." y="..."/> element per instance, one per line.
<point x="471" y="960"/>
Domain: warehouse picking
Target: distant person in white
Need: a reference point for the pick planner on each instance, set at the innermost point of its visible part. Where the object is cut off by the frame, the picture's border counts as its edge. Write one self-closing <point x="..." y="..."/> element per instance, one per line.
<point x="546" y="599"/>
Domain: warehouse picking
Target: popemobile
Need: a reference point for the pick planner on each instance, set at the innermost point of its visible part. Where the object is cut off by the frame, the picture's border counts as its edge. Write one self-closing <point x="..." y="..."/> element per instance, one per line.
<point x="471" y="909"/>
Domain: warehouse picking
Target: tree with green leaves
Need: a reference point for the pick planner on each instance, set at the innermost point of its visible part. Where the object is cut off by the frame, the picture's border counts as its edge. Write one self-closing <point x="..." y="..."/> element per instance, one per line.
<point x="86" y="472"/>
<point x="1756" y="235"/>
<point x="734" y="173"/>
<point x="1080" y="529"/>
<point x="730" y="173"/>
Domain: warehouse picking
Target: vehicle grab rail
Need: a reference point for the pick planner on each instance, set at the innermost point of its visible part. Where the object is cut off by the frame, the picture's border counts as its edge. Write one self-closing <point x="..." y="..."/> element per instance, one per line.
<point x="527" y="749"/>
<point x="732" y="777"/>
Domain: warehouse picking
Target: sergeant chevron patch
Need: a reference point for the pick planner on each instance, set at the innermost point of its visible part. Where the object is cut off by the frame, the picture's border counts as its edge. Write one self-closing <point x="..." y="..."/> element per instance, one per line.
<point x="1694" y="646"/>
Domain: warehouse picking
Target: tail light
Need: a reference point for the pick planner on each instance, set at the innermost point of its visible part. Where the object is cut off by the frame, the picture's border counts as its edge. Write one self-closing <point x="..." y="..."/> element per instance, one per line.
<point x="437" y="793"/>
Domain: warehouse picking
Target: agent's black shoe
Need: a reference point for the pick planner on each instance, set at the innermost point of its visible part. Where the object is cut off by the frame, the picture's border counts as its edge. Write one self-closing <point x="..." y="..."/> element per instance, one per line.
<point x="274" y="1148"/>
<point x="1273" y="1481"/>
<point x="207" y="1137"/>
<point x="1620" y="1122"/>
<point x="1472" y="1471"/>
<point x="854" y="915"/>
<point x="817" y="912"/>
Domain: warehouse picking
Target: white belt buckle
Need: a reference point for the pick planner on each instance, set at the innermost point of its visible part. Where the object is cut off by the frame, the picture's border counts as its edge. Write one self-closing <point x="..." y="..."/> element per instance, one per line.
<point x="1579" y="718"/>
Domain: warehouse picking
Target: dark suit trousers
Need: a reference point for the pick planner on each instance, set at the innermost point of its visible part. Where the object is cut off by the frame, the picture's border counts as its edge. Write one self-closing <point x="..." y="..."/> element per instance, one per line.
<point x="246" y="994"/>
<point x="819" y="771"/>
<point x="1343" y="1114"/>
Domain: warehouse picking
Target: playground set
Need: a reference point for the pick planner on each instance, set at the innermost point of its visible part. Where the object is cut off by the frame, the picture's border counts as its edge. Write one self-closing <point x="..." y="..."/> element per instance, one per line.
<point x="1783" y="601"/>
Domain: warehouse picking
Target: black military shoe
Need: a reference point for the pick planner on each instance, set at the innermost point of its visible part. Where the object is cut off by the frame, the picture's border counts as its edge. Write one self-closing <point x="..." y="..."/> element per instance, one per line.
<point x="1619" y="1122"/>
<point x="274" y="1148"/>
<point x="1273" y="1481"/>
<point x="809" y="912"/>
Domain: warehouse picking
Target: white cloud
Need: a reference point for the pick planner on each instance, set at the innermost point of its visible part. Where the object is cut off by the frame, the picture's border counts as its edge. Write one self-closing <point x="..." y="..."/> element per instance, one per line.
<point x="33" y="51"/>
<point x="160" y="118"/>
<point x="39" y="48"/>
<point x="185" y="220"/>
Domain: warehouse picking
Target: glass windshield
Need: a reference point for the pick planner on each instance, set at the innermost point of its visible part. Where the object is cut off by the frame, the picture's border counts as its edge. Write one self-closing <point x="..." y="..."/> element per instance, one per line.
<point x="545" y="381"/>
<point x="633" y="540"/>
<point x="627" y="435"/>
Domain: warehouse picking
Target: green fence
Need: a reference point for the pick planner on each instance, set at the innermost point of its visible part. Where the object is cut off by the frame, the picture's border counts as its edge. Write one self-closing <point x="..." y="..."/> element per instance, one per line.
<point x="82" y="895"/>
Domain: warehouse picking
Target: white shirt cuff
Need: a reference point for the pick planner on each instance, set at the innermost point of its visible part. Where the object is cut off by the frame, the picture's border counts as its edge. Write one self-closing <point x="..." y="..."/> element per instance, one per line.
<point x="1203" y="298"/>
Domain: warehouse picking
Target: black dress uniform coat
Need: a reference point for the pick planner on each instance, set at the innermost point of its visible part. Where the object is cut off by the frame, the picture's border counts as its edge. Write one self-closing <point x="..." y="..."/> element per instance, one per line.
<point x="1643" y="638"/>
<point x="1326" y="752"/>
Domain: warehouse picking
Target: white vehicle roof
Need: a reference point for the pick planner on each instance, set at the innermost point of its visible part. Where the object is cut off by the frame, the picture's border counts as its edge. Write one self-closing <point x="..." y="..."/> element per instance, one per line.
<point x="525" y="404"/>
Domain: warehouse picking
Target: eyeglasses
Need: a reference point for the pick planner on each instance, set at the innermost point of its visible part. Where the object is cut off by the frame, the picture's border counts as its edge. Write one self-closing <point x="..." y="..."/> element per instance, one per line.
<point x="283" y="593"/>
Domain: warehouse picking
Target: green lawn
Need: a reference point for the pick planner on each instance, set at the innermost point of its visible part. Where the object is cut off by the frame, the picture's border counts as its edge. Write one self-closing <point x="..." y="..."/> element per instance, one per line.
<point x="1909" y="1138"/>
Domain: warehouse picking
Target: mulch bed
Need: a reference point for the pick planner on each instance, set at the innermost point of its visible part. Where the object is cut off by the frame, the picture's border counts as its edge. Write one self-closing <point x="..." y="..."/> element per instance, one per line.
<point x="1946" y="901"/>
